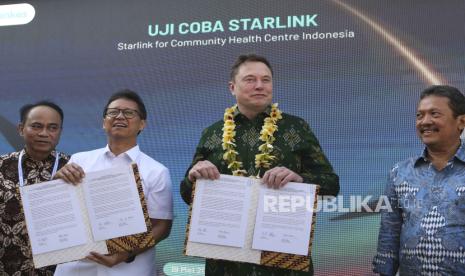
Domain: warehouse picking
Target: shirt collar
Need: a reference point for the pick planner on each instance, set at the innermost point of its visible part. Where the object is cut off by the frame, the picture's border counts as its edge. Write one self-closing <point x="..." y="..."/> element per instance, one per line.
<point x="132" y="153"/>
<point x="459" y="155"/>
<point x="267" y="111"/>
<point x="50" y="157"/>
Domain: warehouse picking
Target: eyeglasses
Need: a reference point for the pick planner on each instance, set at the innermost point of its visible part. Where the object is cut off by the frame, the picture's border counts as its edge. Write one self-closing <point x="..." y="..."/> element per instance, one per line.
<point x="127" y="113"/>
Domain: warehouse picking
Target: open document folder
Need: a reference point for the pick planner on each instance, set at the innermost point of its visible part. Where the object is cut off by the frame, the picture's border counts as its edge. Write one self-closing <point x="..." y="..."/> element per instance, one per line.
<point x="106" y="213"/>
<point x="238" y="219"/>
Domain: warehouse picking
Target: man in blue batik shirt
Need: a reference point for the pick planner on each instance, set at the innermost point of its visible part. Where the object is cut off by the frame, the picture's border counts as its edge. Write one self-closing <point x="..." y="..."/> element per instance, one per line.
<point x="425" y="232"/>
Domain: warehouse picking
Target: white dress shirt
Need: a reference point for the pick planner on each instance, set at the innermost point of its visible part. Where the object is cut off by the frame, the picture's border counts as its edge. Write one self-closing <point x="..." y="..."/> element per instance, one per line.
<point x="156" y="183"/>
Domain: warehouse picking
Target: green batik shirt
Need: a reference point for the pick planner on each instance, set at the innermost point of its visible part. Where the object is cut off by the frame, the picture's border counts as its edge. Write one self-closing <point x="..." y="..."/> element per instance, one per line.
<point x="295" y="148"/>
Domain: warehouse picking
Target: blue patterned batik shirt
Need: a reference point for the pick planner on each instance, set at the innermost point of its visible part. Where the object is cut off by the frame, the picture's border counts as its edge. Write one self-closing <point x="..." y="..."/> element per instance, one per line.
<point x="425" y="232"/>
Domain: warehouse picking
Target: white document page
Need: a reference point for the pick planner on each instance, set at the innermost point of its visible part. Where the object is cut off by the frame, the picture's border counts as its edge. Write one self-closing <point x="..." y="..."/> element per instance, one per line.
<point x="53" y="216"/>
<point x="220" y="211"/>
<point x="113" y="203"/>
<point x="75" y="252"/>
<point x="284" y="218"/>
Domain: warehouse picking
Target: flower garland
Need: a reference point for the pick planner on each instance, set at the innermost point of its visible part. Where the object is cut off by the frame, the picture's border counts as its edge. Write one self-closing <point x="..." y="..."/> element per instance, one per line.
<point x="262" y="159"/>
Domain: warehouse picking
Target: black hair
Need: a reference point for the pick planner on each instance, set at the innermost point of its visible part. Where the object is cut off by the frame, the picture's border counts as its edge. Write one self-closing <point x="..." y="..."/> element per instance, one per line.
<point x="25" y="109"/>
<point x="456" y="98"/>
<point x="129" y="95"/>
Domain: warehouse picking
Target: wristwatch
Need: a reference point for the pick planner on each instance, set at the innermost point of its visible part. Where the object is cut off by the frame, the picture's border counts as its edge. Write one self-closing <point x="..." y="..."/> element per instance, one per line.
<point x="131" y="257"/>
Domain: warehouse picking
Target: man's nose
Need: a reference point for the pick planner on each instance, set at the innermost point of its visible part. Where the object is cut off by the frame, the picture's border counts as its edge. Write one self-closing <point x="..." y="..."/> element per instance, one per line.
<point x="427" y="119"/>
<point x="43" y="132"/>
<point x="259" y="85"/>
<point x="120" y="115"/>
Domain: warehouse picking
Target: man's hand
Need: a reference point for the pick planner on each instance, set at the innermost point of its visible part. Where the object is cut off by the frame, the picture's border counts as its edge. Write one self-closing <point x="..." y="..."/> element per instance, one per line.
<point x="204" y="169"/>
<point x="108" y="260"/>
<point x="70" y="173"/>
<point x="277" y="177"/>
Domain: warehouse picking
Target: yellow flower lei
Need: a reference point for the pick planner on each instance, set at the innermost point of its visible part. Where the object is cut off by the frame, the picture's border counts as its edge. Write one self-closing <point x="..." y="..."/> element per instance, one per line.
<point x="262" y="159"/>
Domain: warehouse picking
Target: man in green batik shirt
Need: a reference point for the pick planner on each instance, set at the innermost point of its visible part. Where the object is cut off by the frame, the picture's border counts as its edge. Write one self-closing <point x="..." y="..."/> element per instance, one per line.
<point x="297" y="154"/>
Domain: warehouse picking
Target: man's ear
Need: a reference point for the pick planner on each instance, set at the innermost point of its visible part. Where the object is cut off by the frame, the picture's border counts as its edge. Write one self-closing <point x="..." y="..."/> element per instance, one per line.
<point x="142" y="125"/>
<point x="20" y="129"/>
<point x="461" y="119"/>
<point x="231" y="86"/>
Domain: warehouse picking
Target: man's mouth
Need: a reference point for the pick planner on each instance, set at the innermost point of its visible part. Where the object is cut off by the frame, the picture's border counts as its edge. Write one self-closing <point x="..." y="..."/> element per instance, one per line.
<point x="119" y="125"/>
<point x="428" y="130"/>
